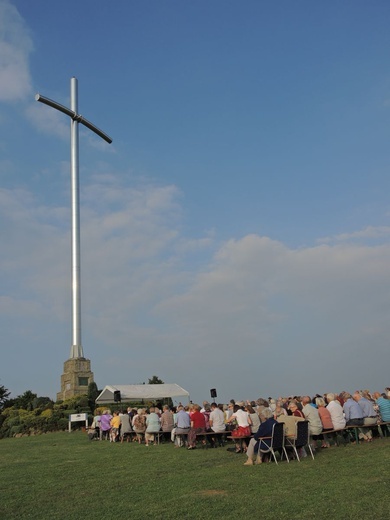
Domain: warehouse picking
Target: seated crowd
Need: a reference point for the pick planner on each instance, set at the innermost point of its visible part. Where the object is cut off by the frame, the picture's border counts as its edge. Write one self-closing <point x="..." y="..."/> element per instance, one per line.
<point x="246" y="422"/>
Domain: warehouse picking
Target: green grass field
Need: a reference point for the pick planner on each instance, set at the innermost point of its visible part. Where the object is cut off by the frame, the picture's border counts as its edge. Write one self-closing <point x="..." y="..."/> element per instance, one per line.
<point x="65" y="476"/>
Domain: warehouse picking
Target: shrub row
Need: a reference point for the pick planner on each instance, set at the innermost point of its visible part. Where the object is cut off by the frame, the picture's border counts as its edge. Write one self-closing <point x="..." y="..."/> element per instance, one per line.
<point x="52" y="417"/>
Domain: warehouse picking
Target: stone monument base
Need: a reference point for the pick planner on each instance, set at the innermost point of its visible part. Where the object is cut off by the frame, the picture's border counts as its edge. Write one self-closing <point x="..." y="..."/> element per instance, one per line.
<point x="76" y="378"/>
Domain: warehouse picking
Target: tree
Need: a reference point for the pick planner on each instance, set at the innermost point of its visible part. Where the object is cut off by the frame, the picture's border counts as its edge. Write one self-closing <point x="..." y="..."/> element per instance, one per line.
<point x="93" y="392"/>
<point x="25" y="401"/>
<point x="4" y="394"/>
<point x="154" y="380"/>
<point x="42" y="403"/>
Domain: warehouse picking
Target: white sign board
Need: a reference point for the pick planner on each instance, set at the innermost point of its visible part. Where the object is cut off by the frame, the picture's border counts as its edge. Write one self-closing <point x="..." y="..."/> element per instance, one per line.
<point x="78" y="417"/>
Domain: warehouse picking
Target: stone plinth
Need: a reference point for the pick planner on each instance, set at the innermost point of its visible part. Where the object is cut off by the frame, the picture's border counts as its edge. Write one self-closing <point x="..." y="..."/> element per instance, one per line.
<point x="76" y="378"/>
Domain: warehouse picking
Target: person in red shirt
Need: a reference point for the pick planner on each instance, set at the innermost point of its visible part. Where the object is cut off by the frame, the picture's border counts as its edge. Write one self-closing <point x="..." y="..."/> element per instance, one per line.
<point x="198" y="425"/>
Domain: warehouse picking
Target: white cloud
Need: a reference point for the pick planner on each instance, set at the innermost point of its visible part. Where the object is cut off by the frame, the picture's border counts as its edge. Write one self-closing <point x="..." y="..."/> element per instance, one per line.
<point x="255" y="317"/>
<point x="193" y="245"/>
<point x="94" y="141"/>
<point x="48" y="120"/>
<point x="368" y="232"/>
<point x="15" y="48"/>
<point x="283" y="320"/>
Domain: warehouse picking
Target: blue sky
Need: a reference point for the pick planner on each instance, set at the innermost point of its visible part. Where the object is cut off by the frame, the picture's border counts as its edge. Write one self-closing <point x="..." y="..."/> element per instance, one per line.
<point x="236" y="233"/>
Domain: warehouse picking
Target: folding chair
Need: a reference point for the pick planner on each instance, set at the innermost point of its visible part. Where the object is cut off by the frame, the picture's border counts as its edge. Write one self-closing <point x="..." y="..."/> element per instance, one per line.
<point x="276" y="442"/>
<point x="301" y="440"/>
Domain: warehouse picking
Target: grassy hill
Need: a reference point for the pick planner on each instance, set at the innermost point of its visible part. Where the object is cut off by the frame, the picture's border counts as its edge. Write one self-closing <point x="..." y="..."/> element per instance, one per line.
<point x="66" y="476"/>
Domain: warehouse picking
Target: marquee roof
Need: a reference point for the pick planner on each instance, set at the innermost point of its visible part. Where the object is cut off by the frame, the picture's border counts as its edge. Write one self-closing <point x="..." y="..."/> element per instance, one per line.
<point x="139" y="392"/>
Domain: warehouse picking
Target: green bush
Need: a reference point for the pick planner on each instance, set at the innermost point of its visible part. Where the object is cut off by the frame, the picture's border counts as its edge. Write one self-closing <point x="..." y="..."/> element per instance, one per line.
<point x="13" y="421"/>
<point x="63" y="424"/>
<point x="43" y="417"/>
<point x="15" y="430"/>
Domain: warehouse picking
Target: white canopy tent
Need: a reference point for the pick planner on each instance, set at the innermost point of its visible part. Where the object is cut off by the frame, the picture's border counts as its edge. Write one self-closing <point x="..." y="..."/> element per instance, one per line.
<point x="142" y="392"/>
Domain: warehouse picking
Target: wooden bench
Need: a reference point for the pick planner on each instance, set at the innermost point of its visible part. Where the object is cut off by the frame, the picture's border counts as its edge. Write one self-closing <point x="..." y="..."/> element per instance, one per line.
<point x="134" y="435"/>
<point x="377" y="426"/>
<point x="240" y="440"/>
<point x="354" y="429"/>
<point x="386" y="429"/>
<point x="219" y="436"/>
<point x="157" y="435"/>
<point x="181" y="439"/>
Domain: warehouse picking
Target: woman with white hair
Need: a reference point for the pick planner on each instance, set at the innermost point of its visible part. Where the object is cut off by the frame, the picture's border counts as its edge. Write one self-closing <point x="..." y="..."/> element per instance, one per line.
<point x="256" y="444"/>
<point x="152" y="425"/>
<point x="105" y="424"/>
<point x="336" y="412"/>
<point x="279" y="409"/>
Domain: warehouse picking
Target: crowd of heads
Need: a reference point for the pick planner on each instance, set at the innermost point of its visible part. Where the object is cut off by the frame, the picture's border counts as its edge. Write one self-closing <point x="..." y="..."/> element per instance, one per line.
<point x="146" y="422"/>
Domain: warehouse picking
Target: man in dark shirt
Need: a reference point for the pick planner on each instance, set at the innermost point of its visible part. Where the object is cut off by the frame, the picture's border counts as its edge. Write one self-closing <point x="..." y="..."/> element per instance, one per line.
<point x="256" y="444"/>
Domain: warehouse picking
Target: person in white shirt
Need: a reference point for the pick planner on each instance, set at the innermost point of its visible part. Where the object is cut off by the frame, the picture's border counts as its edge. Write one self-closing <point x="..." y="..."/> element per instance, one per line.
<point x="243" y="431"/>
<point x="336" y="412"/>
<point x="217" y="424"/>
<point x="217" y="419"/>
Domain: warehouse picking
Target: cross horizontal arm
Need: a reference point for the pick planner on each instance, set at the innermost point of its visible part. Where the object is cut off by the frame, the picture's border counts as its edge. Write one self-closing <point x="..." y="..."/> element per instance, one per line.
<point x="74" y="116"/>
<point x="94" y="128"/>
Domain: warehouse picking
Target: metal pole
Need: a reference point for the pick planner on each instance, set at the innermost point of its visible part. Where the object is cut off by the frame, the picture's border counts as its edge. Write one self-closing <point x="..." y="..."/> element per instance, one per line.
<point x="76" y="350"/>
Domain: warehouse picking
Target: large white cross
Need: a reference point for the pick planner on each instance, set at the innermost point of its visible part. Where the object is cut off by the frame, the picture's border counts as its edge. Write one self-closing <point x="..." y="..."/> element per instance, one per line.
<point x="76" y="350"/>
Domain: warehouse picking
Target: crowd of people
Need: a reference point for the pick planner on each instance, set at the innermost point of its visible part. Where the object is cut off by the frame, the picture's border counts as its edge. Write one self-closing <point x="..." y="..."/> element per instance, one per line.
<point x="246" y="421"/>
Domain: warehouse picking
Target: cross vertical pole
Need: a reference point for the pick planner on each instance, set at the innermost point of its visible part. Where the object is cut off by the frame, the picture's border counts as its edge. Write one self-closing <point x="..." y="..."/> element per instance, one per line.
<point x="76" y="350"/>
